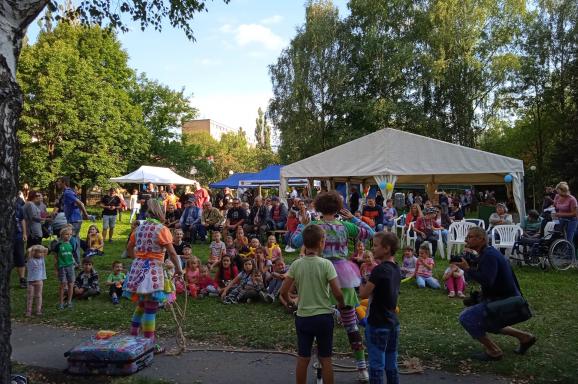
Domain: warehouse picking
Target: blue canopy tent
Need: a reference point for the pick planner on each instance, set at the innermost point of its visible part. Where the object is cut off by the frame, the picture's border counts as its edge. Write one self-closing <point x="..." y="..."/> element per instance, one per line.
<point x="231" y="181"/>
<point x="270" y="177"/>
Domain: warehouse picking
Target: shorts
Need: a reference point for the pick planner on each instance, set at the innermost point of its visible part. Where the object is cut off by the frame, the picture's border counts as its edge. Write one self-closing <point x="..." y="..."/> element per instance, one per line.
<point x="108" y="221"/>
<point x="19" y="253"/>
<point x="66" y="274"/>
<point x="76" y="227"/>
<point x="318" y="327"/>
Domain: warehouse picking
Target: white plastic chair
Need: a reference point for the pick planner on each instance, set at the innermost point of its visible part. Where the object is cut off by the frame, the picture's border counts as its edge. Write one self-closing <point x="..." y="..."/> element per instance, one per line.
<point x="441" y="244"/>
<point x="457" y="235"/>
<point x="399" y="224"/>
<point x="479" y="222"/>
<point x="508" y="234"/>
<point x="410" y="239"/>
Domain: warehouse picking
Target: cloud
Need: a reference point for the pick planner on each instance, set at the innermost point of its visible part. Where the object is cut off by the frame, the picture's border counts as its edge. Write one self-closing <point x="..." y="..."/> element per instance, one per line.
<point x="272" y="20"/>
<point x="247" y="34"/>
<point x="254" y="34"/>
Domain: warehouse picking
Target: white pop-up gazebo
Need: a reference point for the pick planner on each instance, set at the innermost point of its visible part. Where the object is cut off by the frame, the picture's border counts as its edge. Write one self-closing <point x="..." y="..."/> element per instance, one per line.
<point x="155" y="175"/>
<point x="391" y="156"/>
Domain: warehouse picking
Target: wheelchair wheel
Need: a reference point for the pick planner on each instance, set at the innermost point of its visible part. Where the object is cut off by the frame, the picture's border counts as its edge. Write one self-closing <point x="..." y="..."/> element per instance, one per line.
<point x="561" y="254"/>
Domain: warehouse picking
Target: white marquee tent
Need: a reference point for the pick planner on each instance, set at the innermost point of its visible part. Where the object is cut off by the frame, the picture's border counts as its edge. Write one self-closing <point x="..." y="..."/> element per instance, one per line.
<point x="155" y="175"/>
<point x="394" y="156"/>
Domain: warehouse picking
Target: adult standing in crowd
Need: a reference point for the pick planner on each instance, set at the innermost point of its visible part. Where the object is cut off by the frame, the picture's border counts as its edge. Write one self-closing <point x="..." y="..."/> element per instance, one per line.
<point x="110" y="204"/>
<point x="145" y="280"/>
<point x="73" y="209"/>
<point x="492" y="270"/>
<point x="18" y="244"/>
<point x="201" y="194"/>
<point x="211" y="218"/>
<point x="565" y="205"/>
<point x="224" y="199"/>
<point x="354" y="200"/>
<point x="236" y="216"/>
<point x="35" y="215"/>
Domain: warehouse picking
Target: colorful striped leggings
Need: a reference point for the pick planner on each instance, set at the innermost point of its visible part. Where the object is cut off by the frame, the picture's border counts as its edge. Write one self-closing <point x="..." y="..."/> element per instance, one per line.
<point x="144" y="317"/>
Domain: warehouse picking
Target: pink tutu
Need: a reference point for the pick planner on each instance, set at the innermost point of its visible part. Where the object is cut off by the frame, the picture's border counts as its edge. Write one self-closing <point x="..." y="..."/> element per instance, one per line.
<point x="347" y="273"/>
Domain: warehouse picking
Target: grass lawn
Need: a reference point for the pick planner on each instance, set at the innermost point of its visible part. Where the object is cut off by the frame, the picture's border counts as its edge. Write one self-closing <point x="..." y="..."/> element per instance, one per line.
<point x="429" y="326"/>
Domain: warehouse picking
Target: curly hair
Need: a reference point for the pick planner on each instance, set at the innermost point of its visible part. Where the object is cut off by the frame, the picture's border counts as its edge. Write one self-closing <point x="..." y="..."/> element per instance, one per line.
<point x="328" y="202"/>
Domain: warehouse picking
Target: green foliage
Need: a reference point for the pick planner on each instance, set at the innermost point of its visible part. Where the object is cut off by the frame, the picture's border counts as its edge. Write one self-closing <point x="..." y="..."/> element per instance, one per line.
<point x="164" y="111"/>
<point x="262" y="131"/>
<point x="78" y="118"/>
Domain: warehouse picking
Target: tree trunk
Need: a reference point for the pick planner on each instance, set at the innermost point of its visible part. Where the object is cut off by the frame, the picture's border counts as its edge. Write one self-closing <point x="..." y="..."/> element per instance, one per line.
<point x="15" y="16"/>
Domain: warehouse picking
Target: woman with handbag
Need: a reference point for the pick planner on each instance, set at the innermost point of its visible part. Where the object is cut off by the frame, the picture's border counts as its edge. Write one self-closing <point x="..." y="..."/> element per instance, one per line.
<point x="501" y="304"/>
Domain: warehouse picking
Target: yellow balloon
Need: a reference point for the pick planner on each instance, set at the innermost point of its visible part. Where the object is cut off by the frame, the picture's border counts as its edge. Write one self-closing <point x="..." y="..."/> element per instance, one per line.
<point x="364" y="302"/>
<point x="389" y="187"/>
<point x="360" y="312"/>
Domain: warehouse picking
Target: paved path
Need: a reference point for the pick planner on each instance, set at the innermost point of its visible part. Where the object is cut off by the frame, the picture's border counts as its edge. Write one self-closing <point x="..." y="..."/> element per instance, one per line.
<point x="44" y="346"/>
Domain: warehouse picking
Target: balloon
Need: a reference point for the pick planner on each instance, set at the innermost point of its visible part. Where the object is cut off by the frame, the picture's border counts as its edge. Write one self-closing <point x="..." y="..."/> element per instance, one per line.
<point x="382" y="185"/>
<point x="508" y="178"/>
<point x="389" y="186"/>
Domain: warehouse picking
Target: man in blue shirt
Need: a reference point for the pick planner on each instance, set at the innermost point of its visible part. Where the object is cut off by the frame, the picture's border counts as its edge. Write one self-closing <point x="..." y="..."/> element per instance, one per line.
<point x="73" y="208"/>
<point x="190" y="221"/>
<point x="497" y="281"/>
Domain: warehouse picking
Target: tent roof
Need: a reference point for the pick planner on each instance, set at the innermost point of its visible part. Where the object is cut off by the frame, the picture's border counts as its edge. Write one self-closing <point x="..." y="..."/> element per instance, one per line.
<point x="156" y="175"/>
<point x="231" y="181"/>
<point x="270" y="176"/>
<point x="413" y="158"/>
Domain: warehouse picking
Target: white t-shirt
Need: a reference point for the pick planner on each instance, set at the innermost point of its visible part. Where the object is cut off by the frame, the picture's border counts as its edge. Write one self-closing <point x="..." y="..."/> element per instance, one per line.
<point x="36" y="269"/>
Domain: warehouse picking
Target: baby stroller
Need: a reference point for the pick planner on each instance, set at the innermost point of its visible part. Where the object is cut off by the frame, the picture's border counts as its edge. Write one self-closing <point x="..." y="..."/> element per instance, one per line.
<point x="551" y="248"/>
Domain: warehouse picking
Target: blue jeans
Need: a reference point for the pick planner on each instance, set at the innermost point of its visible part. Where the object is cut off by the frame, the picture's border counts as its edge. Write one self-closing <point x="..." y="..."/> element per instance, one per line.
<point x="429" y="281"/>
<point x="445" y="236"/>
<point x="570" y="225"/>
<point x="382" y="348"/>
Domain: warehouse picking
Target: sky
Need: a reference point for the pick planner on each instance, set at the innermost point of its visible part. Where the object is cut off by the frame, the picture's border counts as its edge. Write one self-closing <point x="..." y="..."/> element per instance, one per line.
<point x="226" y="68"/>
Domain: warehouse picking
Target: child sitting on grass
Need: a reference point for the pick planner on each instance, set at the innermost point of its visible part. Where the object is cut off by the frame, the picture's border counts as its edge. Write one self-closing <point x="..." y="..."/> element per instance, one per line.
<point x="36" y="274"/>
<point x="315" y="279"/>
<point x="230" y="249"/>
<point x="424" y="268"/>
<point x="217" y="249"/>
<point x="273" y="249"/>
<point x="245" y="287"/>
<point x="408" y="263"/>
<point x="186" y="255"/>
<point x="65" y="266"/>
<point x="94" y="242"/>
<point x="358" y="254"/>
<point x="368" y="264"/>
<point x="192" y="275"/>
<point x="206" y="283"/>
<point x="277" y="276"/>
<point x="86" y="284"/>
<point x="226" y="272"/>
<point x="455" y="282"/>
<point x="292" y="224"/>
<point x="114" y="282"/>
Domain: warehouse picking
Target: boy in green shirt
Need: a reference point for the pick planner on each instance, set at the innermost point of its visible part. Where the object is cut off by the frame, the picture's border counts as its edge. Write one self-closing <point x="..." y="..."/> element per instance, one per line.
<point x="115" y="281"/>
<point x="65" y="266"/>
<point x="315" y="279"/>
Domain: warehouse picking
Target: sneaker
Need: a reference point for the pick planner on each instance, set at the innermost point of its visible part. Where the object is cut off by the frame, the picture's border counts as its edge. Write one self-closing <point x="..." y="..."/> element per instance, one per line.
<point x="213" y="294"/>
<point x="452" y="294"/>
<point x="461" y="295"/>
<point x="23" y="283"/>
<point x="363" y="376"/>
<point x="270" y="299"/>
<point x="70" y="305"/>
<point x="264" y="296"/>
<point x="249" y="301"/>
<point x="61" y="306"/>
<point x="115" y="300"/>
<point x="289" y="249"/>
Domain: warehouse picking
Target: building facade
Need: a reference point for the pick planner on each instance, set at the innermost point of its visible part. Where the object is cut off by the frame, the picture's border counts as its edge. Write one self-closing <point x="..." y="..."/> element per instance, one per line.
<point x="212" y="127"/>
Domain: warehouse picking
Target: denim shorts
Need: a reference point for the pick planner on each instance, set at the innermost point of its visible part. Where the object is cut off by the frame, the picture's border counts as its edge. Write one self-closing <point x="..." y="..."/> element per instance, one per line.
<point x="318" y="327"/>
<point x="66" y="274"/>
<point x="108" y="221"/>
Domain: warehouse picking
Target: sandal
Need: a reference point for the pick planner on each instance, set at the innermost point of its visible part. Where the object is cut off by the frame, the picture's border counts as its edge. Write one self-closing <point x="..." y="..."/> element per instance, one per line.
<point x="523" y="347"/>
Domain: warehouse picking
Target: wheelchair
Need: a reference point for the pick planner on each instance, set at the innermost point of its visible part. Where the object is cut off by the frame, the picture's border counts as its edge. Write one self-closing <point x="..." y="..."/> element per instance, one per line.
<point x="550" y="250"/>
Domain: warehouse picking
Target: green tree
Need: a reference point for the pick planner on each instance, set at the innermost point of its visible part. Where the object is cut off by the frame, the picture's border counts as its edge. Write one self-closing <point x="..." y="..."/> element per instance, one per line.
<point x="262" y="130"/>
<point x="15" y="17"/>
<point x="309" y="79"/>
<point x="78" y="117"/>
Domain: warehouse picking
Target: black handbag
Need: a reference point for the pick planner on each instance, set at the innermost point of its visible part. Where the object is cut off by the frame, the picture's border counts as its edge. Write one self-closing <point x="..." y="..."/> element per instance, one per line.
<point x="509" y="311"/>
